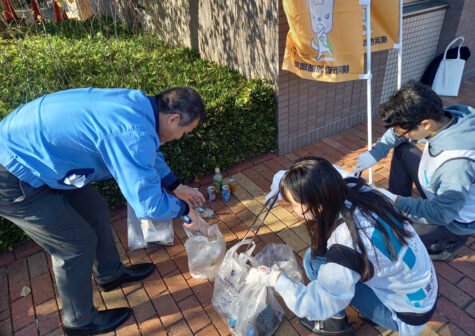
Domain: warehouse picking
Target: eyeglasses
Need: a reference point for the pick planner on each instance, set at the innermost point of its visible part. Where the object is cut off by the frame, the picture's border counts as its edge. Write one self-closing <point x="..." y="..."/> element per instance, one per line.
<point x="400" y="134"/>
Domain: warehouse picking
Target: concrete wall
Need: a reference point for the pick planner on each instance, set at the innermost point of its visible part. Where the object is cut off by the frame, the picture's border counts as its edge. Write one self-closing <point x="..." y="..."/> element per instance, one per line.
<point x="239" y="34"/>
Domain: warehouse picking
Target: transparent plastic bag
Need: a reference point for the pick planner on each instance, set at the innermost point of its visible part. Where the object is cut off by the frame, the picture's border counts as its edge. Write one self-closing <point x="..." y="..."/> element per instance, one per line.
<point x="205" y="249"/>
<point x="281" y="256"/>
<point x="231" y="278"/>
<point x="142" y="233"/>
<point x="257" y="312"/>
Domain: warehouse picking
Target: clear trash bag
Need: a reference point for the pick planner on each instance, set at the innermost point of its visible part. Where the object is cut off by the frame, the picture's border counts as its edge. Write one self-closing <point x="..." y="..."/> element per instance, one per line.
<point x="281" y="256"/>
<point x="205" y="249"/>
<point x="257" y="312"/>
<point x="231" y="278"/>
<point x="142" y="233"/>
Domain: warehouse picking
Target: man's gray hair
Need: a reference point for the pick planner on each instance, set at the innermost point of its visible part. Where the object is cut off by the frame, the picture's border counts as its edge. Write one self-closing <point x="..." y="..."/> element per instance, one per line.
<point x="184" y="101"/>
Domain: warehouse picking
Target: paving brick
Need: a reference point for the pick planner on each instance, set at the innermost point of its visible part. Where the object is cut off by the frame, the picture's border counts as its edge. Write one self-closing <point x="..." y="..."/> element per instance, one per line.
<point x="437" y="321"/>
<point x="27" y="249"/>
<point x="181" y="260"/>
<point x="235" y="205"/>
<point x="6" y="327"/>
<point x="6" y="257"/>
<point x="57" y="332"/>
<point x="152" y="327"/>
<point x="141" y="305"/>
<point x="284" y="216"/>
<point x="217" y="320"/>
<point x="138" y="256"/>
<point x="48" y="317"/>
<point x="452" y="330"/>
<point x="17" y="278"/>
<point x="247" y="184"/>
<point x="163" y="262"/>
<point x="456" y="315"/>
<point x="29" y="330"/>
<point x="202" y="289"/>
<point x="290" y="238"/>
<point x="154" y="284"/>
<point x="468" y="285"/>
<point x="129" y="328"/>
<point x="174" y="249"/>
<point x="456" y="295"/>
<point x="228" y="217"/>
<point x="464" y="266"/>
<point x="42" y="288"/>
<point x="22" y="312"/>
<point x="194" y="313"/>
<point x="177" y="286"/>
<point x="179" y="329"/>
<point x="208" y="331"/>
<point x="471" y="309"/>
<point x="114" y="299"/>
<point x="167" y="309"/>
<point x="447" y="271"/>
<point x="38" y="265"/>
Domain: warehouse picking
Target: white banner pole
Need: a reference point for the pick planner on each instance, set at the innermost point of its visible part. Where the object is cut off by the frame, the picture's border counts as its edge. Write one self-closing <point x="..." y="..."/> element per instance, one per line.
<point x="368" y="85"/>
<point x="399" y="43"/>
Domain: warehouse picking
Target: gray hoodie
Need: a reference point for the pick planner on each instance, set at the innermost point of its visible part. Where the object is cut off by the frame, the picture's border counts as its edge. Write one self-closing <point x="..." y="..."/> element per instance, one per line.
<point x="451" y="182"/>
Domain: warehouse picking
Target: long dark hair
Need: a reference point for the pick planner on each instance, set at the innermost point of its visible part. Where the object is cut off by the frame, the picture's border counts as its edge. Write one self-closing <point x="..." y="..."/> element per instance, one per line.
<point x="313" y="181"/>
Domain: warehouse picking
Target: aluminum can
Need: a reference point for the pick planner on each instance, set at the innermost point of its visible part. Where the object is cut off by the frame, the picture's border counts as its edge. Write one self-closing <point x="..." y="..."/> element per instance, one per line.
<point x="211" y="194"/>
<point x="226" y="193"/>
<point x="232" y="185"/>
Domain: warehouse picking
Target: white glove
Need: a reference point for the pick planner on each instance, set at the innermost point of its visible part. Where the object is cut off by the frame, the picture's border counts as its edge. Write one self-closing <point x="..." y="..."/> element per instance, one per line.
<point x="364" y="161"/>
<point x="274" y="188"/>
<point x="263" y="275"/>
<point x="388" y="194"/>
<point x="75" y="180"/>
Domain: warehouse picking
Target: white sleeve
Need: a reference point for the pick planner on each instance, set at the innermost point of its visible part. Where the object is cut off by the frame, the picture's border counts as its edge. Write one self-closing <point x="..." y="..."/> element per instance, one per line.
<point x="322" y="298"/>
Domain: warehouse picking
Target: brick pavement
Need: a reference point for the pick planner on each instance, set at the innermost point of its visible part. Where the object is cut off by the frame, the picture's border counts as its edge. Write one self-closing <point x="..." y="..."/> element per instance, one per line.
<point x="171" y="302"/>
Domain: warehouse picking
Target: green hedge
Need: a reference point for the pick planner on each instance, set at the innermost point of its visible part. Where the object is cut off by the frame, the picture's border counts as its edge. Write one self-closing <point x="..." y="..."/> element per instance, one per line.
<point x="240" y="120"/>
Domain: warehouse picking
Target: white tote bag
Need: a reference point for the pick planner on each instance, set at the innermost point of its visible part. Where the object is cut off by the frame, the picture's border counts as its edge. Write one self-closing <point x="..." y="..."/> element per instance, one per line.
<point x="449" y="73"/>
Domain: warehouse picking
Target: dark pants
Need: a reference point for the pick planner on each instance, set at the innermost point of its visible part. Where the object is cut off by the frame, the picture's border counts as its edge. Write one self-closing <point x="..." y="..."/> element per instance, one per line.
<point x="404" y="172"/>
<point x="73" y="226"/>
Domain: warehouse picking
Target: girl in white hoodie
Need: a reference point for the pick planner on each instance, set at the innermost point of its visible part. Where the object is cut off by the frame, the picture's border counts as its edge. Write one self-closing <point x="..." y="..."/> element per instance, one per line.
<point x="363" y="253"/>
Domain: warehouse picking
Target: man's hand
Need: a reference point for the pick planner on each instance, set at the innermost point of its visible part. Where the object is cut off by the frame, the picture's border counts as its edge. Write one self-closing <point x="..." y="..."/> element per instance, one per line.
<point x="191" y="196"/>
<point x="364" y="161"/>
<point x="263" y="275"/>
<point x="195" y="220"/>
<point x="388" y="194"/>
<point x="274" y="188"/>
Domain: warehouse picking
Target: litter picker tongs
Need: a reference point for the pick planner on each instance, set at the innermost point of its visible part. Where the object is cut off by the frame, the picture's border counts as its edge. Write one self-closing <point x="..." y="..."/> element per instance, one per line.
<point x="259" y="215"/>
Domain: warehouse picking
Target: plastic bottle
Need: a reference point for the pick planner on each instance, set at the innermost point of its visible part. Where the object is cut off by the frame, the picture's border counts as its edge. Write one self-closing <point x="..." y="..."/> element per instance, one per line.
<point x="217" y="181"/>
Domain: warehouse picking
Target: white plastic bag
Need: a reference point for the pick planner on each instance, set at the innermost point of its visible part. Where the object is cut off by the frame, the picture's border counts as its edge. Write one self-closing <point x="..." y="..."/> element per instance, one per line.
<point x="281" y="256"/>
<point x="449" y="73"/>
<point x="142" y="233"/>
<point x="257" y="312"/>
<point x="205" y="249"/>
<point x="231" y="278"/>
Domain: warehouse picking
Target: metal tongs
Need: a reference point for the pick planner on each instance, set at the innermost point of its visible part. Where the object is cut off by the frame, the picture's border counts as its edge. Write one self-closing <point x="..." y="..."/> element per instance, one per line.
<point x="264" y="218"/>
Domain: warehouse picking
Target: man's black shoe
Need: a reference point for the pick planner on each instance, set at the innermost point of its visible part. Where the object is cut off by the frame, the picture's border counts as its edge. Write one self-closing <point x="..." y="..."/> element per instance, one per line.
<point x="107" y="320"/>
<point x="331" y="326"/>
<point x="132" y="273"/>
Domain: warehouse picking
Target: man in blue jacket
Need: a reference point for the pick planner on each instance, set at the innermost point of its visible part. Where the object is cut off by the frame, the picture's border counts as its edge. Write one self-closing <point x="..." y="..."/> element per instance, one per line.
<point x="53" y="147"/>
<point x="444" y="173"/>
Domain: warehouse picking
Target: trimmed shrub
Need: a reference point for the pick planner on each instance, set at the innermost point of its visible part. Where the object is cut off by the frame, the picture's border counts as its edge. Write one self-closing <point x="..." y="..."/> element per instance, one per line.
<point x="240" y="119"/>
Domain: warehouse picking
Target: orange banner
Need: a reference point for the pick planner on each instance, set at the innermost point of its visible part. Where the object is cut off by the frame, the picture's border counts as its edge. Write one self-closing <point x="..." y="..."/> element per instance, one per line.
<point x="384" y="24"/>
<point x="324" y="39"/>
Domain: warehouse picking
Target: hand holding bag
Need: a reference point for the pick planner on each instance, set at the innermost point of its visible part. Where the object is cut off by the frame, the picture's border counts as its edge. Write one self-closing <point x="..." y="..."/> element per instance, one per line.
<point x="449" y="73"/>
